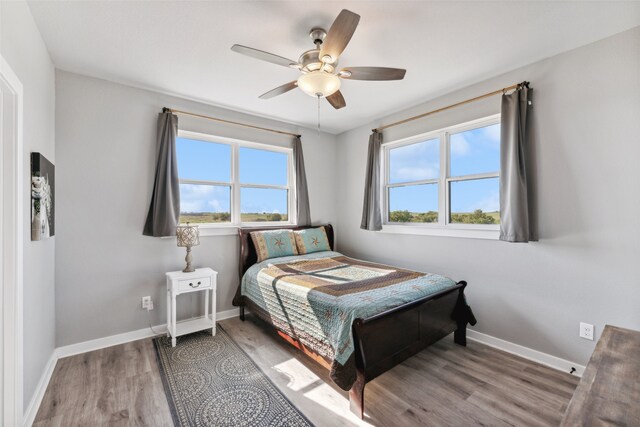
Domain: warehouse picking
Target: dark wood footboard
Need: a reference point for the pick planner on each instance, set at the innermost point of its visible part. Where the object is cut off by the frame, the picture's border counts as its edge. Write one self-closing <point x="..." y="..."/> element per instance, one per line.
<point x="387" y="339"/>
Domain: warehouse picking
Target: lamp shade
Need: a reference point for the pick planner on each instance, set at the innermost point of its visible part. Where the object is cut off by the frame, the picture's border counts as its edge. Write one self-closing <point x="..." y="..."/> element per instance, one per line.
<point x="188" y="235"/>
<point x="319" y="83"/>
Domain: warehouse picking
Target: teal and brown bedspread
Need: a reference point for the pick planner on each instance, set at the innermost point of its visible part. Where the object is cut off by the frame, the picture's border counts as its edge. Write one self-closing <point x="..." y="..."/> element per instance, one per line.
<point x="316" y="297"/>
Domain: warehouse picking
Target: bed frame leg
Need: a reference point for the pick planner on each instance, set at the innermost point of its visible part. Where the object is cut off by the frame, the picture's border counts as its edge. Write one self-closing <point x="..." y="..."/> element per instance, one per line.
<point x="463" y="316"/>
<point x="242" y="313"/>
<point x="460" y="335"/>
<point x="356" y="395"/>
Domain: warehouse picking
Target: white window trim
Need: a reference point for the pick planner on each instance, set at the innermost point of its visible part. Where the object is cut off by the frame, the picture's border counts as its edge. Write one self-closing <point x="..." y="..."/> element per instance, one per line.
<point x="443" y="227"/>
<point x="231" y="228"/>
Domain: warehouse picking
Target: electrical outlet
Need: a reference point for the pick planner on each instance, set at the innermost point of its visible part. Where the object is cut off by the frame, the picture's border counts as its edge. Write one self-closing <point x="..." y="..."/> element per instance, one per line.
<point x="586" y="331"/>
<point x="146" y="301"/>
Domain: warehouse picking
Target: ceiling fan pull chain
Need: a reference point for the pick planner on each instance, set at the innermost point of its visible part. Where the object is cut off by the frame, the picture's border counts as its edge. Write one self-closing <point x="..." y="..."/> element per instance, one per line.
<point x="318" y="115"/>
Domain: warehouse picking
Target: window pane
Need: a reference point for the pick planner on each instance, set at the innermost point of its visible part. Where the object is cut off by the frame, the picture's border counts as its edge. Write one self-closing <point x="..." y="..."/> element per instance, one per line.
<point x="262" y="167"/>
<point x="475" y="201"/>
<point x="415" y="162"/>
<point x="205" y="203"/>
<point x="413" y="203"/>
<point x="475" y="151"/>
<point x="263" y="204"/>
<point x="203" y="160"/>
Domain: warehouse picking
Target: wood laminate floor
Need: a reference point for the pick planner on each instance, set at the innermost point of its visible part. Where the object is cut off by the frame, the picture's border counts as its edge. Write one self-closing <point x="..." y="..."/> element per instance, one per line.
<point x="444" y="385"/>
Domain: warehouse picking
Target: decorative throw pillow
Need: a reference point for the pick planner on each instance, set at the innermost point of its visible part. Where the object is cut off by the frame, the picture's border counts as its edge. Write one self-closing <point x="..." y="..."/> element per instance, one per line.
<point x="312" y="240"/>
<point x="273" y="244"/>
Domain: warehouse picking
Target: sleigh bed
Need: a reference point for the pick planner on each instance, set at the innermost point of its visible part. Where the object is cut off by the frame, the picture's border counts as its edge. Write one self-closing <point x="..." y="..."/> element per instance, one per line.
<point x="357" y="319"/>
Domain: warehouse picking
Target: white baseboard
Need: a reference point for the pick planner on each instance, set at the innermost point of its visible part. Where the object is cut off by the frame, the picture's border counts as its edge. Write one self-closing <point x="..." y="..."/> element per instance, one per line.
<point x="99" y="343"/>
<point x="526" y="353"/>
<point x="228" y="314"/>
<point x="32" y="409"/>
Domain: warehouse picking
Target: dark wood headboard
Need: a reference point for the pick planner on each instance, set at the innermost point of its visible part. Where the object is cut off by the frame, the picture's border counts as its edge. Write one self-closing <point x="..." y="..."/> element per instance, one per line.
<point x="248" y="255"/>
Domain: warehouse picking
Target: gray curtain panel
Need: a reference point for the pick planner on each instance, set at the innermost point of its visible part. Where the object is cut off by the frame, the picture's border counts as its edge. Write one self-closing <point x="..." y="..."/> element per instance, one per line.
<point x="516" y="213"/>
<point x="164" y="210"/>
<point x="371" y="214"/>
<point x="302" y="199"/>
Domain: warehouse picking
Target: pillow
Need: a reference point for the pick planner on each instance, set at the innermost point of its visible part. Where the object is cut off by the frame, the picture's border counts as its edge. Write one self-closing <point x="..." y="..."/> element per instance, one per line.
<point x="312" y="240"/>
<point x="273" y="244"/>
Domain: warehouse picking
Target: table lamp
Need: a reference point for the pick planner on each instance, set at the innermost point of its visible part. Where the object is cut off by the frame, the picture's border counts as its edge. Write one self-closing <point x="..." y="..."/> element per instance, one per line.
<point x="188" y="236"/>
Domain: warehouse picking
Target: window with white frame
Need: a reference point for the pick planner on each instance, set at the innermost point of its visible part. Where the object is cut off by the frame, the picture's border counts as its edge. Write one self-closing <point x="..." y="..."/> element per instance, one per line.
<point x="231" y="182"/>
<point x="448" y="178"/>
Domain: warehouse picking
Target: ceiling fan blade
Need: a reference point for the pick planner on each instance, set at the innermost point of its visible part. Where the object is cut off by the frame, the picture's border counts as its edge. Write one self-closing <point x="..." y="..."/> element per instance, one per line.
<point x="339" y="34"/>
<point x="372" y="73"/>
<point x="279" y="90"/>
<point x="263" y="56"/>
<point x="337" y="100"/>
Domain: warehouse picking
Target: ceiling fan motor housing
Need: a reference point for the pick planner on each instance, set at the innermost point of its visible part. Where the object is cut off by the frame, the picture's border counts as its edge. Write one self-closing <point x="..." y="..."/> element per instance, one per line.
<point x="310" y="61"/>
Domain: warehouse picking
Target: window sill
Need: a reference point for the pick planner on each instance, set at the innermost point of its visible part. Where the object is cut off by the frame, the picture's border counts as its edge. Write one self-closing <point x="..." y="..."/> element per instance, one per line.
<point x="468" y="232"/>
<point x="220" y="230"/>
<point x="230" y="230"/>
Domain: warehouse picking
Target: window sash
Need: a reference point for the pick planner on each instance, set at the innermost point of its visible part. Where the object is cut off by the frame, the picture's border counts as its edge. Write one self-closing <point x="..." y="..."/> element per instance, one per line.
<point x="444" y="196"/>
<point x="235" y="185"/>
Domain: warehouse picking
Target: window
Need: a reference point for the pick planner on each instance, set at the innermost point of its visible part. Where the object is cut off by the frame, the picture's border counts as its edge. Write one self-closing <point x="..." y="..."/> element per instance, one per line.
<point x="233" y="183"/>
<point x="414" y="171"/>
<point x="447" y="179"/>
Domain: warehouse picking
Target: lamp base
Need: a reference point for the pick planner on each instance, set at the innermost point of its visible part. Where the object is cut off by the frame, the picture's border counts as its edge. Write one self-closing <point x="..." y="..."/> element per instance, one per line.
<point x="188" y="259"/>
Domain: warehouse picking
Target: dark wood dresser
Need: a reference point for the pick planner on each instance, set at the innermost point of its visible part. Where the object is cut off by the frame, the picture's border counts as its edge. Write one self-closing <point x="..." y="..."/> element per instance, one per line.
<point x="609" y="392"/>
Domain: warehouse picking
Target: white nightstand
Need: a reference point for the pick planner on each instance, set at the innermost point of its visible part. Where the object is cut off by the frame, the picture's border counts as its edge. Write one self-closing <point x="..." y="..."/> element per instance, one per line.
<point x="203" y="279"/>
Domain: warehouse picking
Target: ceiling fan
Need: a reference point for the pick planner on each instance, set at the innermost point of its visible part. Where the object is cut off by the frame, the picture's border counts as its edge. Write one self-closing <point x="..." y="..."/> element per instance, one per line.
<point x="319" y="67"/>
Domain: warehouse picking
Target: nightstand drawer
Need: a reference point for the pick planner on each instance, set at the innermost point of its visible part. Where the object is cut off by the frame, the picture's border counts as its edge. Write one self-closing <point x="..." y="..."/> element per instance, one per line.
<point x="199" y="283"/>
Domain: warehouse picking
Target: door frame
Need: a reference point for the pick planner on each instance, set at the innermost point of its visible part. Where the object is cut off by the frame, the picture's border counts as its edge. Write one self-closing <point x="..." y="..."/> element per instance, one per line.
<point x="11" y="246"/>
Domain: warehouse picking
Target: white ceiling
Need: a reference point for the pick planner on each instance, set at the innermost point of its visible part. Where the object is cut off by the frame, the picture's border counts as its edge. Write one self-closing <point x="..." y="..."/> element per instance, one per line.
<point x="183" y="47"/>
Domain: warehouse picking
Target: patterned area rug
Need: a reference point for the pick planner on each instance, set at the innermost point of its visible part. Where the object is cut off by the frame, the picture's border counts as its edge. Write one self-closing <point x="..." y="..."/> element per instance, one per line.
<point x="211" y="381"/>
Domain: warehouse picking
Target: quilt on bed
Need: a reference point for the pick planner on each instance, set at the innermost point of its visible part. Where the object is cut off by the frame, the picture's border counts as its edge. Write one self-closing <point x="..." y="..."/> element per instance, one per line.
<point x="316" y="297"/>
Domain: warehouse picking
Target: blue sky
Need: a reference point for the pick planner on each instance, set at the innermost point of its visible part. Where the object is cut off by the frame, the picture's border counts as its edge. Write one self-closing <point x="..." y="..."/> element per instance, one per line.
<point x="472" y="152"/>
<point x="207" y="161"/>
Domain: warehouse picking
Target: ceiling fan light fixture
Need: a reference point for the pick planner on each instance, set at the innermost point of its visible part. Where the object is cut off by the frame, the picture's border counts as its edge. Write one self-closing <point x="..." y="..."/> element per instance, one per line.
<point x="319" y="84"/>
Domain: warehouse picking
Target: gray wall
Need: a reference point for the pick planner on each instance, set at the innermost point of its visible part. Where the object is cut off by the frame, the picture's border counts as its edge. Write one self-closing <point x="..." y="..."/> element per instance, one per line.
<point x="23" y="48"/>
<point x="585" y="268"/>
<point x="106" y="153"/>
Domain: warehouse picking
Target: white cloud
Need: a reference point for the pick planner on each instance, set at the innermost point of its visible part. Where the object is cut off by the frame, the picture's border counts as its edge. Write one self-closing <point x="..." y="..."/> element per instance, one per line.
<point x="491" y="134"/>
<point x="491" y="203"/>
<point x="204" y="198"/>
<point x="460" y="145"/>
<point x="416" y="161"/>
<point x="415" y="173"/>
<point x="215" y="205"/>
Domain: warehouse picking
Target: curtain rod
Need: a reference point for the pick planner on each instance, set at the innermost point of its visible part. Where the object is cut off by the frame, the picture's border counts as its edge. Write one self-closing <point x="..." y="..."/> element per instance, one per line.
<point x="457" y="104"/>
<point x="215" y="119"/>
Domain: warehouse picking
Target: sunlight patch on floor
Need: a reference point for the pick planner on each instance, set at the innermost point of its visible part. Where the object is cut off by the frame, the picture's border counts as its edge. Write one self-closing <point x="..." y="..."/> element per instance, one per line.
<point x="325" y="396"/>
<point x="303" y="380"/>
<point x="298" y="374"/>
